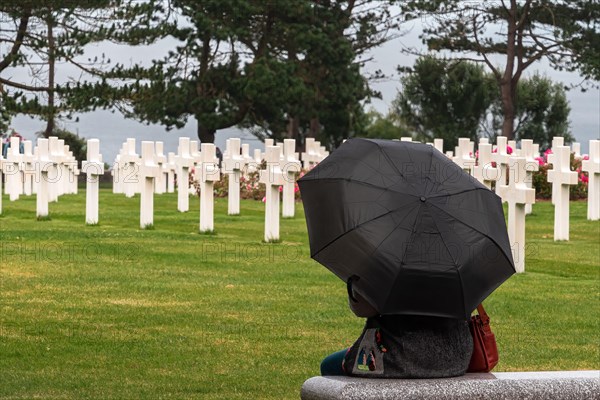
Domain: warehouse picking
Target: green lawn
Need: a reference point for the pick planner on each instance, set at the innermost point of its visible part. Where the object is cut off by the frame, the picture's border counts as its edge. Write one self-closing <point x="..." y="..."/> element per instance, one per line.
<point x="115" y="312"/>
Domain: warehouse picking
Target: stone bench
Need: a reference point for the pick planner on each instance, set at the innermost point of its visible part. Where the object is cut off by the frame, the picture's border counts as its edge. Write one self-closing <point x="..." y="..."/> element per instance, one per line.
<point x="567" y="385"/>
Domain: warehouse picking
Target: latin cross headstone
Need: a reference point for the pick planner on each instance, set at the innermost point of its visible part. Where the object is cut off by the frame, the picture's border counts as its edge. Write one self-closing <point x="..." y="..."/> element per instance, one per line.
<point x="406" y="139"/>
<point x="450" y="154"/>
<point x="233" y="165"/>
<point x="500" y="157"/>
<point x="272" y="177"/>
<point x="556" y="142"/>
<point x="439" y="144"/>
<point x="171" y="168"/>
<point x="251" y="165"/>
<point x="517" y="195"/>
<point x="310" y="157"/>
<point x="12" y="170"/>
<point x="592" y="167"/>
<point x="463" y="157"/>
<point x="484" y="171"/>
<point x="148" y="173"/>
<point x="576" y="149"/>
<point x="130" y="166"/>
<point x="527" y="151"/>
<point x="29" y="173"/>
<point x="44" y="165"/>
<point x="93" y="168"/>
<point x="184" y="162"/>
<point x="258" y="157"/>
<point x="1" y="179"/>
<point x="290" y="167"/>
<point x="161" y="161"/>
<point x="209" y="174"/>
<point x="116" y="174"/>
<point x="561" y="177"/>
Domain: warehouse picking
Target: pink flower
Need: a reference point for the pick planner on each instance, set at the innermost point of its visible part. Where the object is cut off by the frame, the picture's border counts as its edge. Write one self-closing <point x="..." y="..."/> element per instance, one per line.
<point x="495" y="150"/>
<point x="280" y="189"/>
<point x="586" y="157"/>
<point x="509" y="150"/>
<point x="264" y="199"/>
<point x="296" y="189"/>
<point x="540" y="160"/>
<point x="584" y="178"/>
<point x="248" y="187"/>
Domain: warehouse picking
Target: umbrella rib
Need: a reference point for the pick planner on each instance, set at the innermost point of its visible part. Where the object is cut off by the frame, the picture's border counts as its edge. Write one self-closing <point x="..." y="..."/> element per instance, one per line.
<point x="476" y="230"/>
<point x="396" y="227"/>
<point x="461" y="192"/>
<point x="350" y="230"/>
<point x="455" y="264"/>
<point x="367" y="184"/>
<point x="396" y="168"/>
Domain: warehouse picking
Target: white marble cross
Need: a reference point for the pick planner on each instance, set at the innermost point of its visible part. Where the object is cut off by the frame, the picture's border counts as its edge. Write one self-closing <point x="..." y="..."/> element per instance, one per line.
<point x="130" y="166"/>
<point x="556" y="142"/>
<point x="527" y="151"/>
<point x="1" y="178"/>
<point x="439" y="144"/>
<point x="484" y="171"/>
<point x="576" y="149"/>
<point x="406" y="139"/>
<point x="12" y="170"/>
<point x="44" y="165"/>
<point x="462" y="157"/>
<point x="116" y="174"/>
<point x="171" y="167"/>
<point x="184" y="162"/>
<point x="233" y="165"/>
<point x="209" y="174"/>
<point x="517" y="195"/>
<point x="251" y="164"/>
<point x="258" y="156"/>
<point x="310" y="157"/>
<point x="500" y="157"/>
<point x="592" y="167"/>
<point x="561" y="177"/>
<point x="93" y="167"/>
<point x="148" y="173"/>
<point x="272" y="177"/>
<point x="161" y="161"/>
<point x="290" y="167"/>
<point x="28" y="168"/>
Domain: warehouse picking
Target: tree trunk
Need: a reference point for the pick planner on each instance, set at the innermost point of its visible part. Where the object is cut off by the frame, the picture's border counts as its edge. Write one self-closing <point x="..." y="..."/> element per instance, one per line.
<point x="206" y="135"/>
<point x="51" y="64"/>
<point x="508" y="108"/>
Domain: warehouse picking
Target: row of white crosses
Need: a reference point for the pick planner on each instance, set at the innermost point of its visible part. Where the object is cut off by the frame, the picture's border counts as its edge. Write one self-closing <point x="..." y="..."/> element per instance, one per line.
<point x="313" y="154"/>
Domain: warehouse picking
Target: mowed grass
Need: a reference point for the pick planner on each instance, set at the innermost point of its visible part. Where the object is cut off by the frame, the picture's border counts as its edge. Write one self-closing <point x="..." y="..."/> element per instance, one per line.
<point x="115" y="312"/>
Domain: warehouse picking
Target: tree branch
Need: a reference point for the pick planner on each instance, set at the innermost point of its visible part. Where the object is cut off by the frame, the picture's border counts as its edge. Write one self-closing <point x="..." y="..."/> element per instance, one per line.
<point x="18" y="41"/>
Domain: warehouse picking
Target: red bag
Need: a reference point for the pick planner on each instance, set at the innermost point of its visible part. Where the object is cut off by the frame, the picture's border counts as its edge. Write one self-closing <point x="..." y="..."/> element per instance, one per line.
<point x="485" y="352"/>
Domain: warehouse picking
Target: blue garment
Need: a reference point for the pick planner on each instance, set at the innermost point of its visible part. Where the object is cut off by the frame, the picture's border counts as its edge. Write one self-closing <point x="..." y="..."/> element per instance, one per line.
<point x="332" y="364"/>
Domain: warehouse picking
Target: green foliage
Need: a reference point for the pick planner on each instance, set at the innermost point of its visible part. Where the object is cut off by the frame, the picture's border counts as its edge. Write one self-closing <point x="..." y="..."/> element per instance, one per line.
<point x="444" y="99"/>
<point x="378" y="126"/>
<point x="450" y="99"/>
<point x="565" y="33"/>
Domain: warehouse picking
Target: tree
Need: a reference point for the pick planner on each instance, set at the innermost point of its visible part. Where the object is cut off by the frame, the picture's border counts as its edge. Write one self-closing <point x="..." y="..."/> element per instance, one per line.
<point x="40" y="36"/>
<point x="444" y="99"/>
<point x="287" y="68"/>
<point x="522" y="31"/>
<point x="379" y="126"/>
<point x="542" y="111"/>
<point x="450" y="99"/>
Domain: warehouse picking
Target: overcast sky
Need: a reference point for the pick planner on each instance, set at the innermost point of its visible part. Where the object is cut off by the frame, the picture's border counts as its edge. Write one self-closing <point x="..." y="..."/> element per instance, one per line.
<point x="112" y="129"/>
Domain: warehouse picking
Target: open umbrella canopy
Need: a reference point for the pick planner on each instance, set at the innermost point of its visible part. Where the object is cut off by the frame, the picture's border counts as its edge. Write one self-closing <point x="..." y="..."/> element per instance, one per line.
<point x="418" y="234"/>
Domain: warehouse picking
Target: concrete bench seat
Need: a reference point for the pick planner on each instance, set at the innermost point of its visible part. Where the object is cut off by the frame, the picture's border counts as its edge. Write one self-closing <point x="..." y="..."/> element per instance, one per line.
<point x="564" y="385"/>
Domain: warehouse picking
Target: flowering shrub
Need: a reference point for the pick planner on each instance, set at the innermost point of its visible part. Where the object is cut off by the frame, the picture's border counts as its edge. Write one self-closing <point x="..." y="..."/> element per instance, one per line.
<point x="250" y="187"/>
<point x="543" y="188"/>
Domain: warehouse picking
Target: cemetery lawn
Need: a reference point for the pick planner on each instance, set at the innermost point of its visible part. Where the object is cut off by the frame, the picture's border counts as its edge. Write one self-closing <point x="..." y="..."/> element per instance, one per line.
<point x="115" y="312"/>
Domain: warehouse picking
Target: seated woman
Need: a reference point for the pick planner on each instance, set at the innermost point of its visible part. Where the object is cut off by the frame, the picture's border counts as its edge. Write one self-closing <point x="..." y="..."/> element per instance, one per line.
<point x="402" y="346"/>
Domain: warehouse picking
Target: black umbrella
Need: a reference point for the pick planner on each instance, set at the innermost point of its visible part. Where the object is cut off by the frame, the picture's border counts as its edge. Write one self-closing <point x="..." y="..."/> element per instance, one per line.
<point x="415" y="232"/>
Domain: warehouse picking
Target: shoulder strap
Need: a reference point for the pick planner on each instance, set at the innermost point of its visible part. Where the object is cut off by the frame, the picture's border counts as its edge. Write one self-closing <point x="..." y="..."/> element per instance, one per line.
<point x="481" y="311"/>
